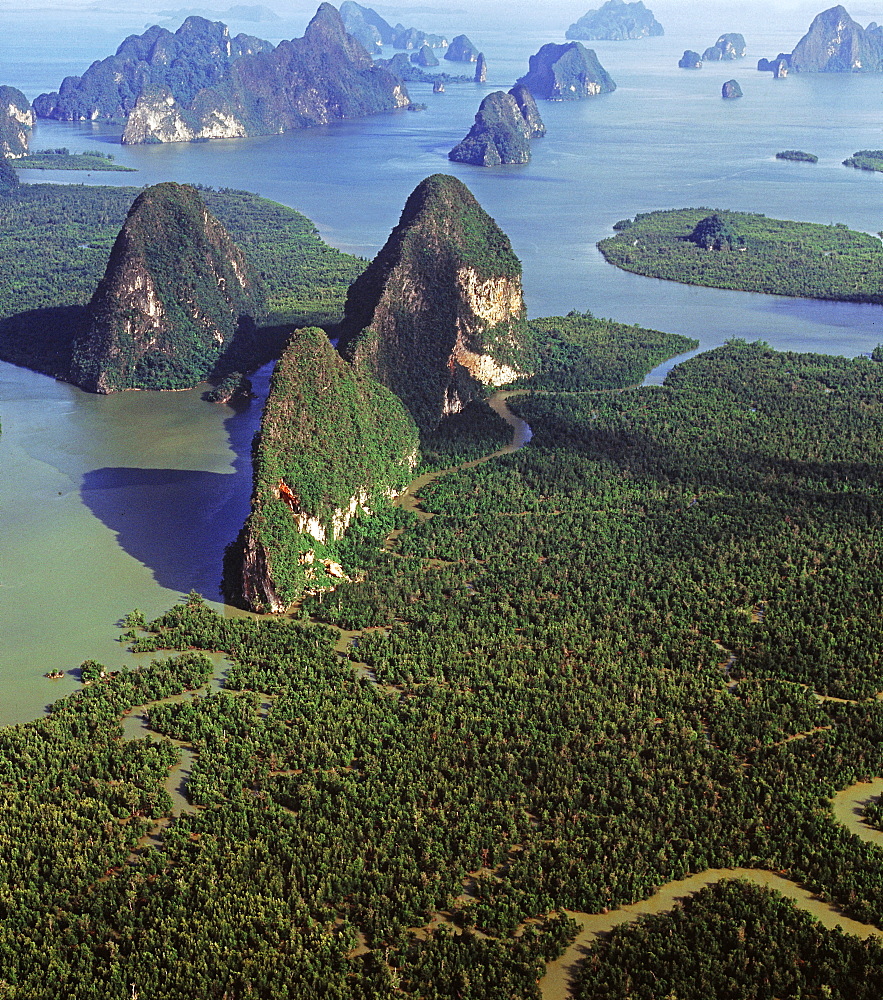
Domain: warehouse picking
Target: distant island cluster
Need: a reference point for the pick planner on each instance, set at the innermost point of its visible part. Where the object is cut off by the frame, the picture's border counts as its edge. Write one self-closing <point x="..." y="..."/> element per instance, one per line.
<point x="200" y="83"/>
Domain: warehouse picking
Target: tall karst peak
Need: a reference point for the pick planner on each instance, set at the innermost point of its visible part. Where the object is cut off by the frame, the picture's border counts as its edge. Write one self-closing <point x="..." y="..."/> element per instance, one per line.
<point x="439" y="313"/>
<point x="835" y="43"/>
<point x="176" y="292"/>
<point x="200" y="84"/>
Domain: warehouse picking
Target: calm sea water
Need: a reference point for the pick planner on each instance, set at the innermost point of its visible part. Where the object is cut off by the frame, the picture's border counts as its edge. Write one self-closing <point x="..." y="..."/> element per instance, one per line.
<point x="111" y="503"/>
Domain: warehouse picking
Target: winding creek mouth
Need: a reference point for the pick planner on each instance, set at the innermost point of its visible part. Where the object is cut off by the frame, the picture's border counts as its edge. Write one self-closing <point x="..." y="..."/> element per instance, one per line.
<point x="847" y="805"/>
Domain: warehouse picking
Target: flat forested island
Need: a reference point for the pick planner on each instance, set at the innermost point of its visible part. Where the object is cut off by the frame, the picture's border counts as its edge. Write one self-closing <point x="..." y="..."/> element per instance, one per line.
<point x="773" y="256"/>
<point x="797" y="155"/>
<point x="866" y="159"/>
<point x="551" y="683"/>
<point x="63" y="159"/>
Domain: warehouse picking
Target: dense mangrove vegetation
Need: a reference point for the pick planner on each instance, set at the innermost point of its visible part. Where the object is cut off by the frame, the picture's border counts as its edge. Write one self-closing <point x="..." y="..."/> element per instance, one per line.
<point x="766" y="255"/>
<point x="594" y="669"/>
<point x="754" y="946"/>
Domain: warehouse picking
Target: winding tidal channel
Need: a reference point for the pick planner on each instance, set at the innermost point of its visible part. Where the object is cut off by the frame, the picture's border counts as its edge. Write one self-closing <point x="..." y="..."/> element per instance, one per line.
<point x="847" y="805"/>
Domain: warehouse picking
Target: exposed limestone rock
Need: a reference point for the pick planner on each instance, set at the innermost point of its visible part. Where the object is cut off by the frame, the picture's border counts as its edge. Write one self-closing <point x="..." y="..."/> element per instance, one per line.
<point x="502" y="131"/>
<point x="176" y="291"/>
<point x="333" y="444"/>
<point x="690" y="60"/>
<point x="323" y="77"/>
<point x="198" y="55"/>
<point x="481" y="69"/>
<point x="731" y="91"/>
<point x="728" y="47"/>
<point x="566" y="72"/>
<point x="158" y="118"/>
<point x="16" y="121"/>
<point x="616" y="21"/>
<point x="529" y="110"/>
<point x="461" y="50"/>
<point x="439" y="313"/>
<point x="772" y="65"/>
<point x="837" y="44"/>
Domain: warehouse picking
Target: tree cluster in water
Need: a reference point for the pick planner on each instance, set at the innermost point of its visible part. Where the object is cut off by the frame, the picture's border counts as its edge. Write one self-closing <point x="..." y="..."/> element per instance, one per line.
<point x="536" y="719"/>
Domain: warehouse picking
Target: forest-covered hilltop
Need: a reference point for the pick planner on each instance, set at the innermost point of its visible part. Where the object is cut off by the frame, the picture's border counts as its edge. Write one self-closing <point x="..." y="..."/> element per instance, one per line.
<point x="48" y="231"/>
<point x="769" y="255"/>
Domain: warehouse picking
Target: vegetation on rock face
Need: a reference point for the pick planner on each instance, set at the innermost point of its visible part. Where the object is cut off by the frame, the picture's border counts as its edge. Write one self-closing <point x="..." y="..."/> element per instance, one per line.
<point x="501" y="134"/>
<point x="567" y="72"/>
<point x="779" y="258"/>
<point x="731" y="90"/>
<point x="715" y="233"/>
<point x="16" y="122"/>
<point x="8" y="176"/>
<point x="329" y="433"/>
<point x="48" y="230"/>
<point x="198" y="55"/>
<point x="176" y="292"/>
<point x="728" y="47"/>
<point x="200" y="84"/>
<point x="443" y="294"/>
<point x="461" y="50"/>
<point x="374" y="32"/>
<point x="616" y="20"/>
<point x="835" y="43"/>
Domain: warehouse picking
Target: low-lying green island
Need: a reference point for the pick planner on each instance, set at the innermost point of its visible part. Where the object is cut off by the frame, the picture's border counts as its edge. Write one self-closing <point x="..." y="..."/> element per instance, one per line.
<point x="797" y="155"/>
<point x="866" y="159"/>
<point x="773" y="256"/>
<point x="63" y="159"/>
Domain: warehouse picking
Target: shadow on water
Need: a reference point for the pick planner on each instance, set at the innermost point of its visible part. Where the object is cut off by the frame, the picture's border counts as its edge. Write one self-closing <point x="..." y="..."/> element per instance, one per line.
<point x="177" y="522"/>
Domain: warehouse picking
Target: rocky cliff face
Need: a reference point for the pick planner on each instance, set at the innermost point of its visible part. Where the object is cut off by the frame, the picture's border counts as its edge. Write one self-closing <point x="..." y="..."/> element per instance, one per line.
<point x="424" y="56"/>
<point x="616" y="20"/>
<point x="529" y="110"/>
<point x="439" y="313"/>
<point x="372" y="31"/>
<point x="176" y="292"/>
<point x="232" y="88"/>
<point x="16" y="121"/>
<point x="837" y="44"/>
<point x="566" y="72"/>
<point x="504" y="126"/>
<point x="728" y="47"/>
<point x="198" y="55"/>
<point x="333" y="442"/>
<point x="461" y="50"/>
<point x="731" y="90"/>
<point x="690" y="60"/>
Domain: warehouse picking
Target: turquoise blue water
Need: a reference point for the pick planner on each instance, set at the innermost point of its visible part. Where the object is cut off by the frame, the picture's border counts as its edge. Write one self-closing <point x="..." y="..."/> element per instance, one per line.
<point x="112" y="503"/>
